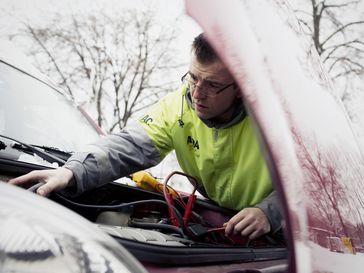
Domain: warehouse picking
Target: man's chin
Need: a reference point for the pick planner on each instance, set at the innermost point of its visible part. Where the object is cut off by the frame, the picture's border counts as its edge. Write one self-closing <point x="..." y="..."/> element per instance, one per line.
<point x="202" y="115"/>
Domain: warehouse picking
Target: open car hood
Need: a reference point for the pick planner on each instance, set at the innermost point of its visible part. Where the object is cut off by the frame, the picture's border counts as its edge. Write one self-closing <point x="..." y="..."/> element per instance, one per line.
<point x="314" y="159"/>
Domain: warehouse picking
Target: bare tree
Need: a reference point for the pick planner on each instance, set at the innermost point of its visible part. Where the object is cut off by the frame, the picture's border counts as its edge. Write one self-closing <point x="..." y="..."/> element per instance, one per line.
<point x="120" y="62"/>
<point x="329" y="197"/>
<point x="336" y="28"/>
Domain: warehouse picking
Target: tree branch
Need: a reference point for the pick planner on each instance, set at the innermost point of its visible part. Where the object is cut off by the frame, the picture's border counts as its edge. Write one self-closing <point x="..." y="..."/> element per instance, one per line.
<point x="340" y="30"/>
<point x="53" y="60"/>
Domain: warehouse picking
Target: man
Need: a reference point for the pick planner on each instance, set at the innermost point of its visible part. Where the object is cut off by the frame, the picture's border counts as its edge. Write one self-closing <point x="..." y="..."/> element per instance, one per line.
<point x="206" y="124"/>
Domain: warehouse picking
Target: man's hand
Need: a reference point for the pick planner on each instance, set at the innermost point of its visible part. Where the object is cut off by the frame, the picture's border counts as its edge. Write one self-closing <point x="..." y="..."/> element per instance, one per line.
<point x="54" y="180"/>
<point x="250" y="222"/>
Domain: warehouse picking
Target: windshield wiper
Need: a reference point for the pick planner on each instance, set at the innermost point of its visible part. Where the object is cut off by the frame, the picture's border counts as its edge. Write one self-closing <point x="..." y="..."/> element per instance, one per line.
<point x="54" y="151"/>
<point x="35" y="150"/>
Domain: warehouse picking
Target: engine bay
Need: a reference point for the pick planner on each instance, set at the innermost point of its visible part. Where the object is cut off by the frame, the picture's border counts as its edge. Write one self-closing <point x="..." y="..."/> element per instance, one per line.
<point x="162" y="226"/>
<point x="160" y="216"/>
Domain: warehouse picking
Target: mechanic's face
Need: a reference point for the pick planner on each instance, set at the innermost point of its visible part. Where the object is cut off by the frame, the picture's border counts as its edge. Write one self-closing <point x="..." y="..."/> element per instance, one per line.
<point x="212" y="77"/>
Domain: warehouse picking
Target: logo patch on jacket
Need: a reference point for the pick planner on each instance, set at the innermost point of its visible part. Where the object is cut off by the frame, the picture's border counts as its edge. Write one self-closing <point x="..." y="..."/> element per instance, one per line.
<point x="193" y="144"/>
<point x="146" y="119"/>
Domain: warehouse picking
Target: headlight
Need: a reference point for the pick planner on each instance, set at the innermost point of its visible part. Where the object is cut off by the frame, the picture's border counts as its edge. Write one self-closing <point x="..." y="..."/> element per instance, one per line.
<point x="38" y="235"/>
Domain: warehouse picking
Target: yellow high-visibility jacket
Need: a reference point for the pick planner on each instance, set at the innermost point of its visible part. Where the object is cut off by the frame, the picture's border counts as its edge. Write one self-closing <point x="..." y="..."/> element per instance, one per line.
<point x="227" y="161"/>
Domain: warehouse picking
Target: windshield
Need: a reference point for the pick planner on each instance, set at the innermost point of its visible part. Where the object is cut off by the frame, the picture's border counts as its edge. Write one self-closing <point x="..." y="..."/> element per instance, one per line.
<point x="35" y="113"/>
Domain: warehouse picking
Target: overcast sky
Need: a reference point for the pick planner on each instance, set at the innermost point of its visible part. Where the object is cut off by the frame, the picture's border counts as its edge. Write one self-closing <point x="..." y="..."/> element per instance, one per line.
<point x="12" y="12"/>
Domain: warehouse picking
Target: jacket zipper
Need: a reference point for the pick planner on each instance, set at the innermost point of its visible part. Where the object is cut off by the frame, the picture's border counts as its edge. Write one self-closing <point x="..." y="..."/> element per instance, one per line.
<point x="216" y="134"/>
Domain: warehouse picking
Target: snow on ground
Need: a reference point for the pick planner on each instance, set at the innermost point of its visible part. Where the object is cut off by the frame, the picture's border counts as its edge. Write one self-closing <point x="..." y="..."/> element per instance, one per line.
<point x="326" y="261"/>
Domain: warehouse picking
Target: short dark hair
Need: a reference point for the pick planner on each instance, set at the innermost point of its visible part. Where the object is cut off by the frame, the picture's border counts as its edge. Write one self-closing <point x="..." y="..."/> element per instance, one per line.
<point x="204" y="52"/>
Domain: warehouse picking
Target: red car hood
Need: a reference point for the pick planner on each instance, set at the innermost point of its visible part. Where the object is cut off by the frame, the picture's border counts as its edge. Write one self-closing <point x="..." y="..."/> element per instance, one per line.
<point x="315" y="161"/>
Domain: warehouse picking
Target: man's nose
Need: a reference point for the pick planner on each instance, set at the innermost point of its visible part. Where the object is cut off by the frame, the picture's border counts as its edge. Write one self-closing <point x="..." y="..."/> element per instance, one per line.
<point x="197" y="94"/>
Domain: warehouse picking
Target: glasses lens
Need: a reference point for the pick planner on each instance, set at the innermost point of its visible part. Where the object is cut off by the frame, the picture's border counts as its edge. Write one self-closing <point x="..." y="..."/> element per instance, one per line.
<point x="203" y="89"/>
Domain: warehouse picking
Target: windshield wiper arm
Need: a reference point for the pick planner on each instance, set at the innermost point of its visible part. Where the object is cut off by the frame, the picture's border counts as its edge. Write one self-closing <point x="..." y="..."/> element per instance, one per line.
<point x="54" y="151"/>
<point x="35" y="150"/>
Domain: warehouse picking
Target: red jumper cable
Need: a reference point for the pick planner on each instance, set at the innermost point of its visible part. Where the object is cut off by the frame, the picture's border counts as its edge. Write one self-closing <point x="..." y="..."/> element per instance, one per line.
<point x="170" y="200"/>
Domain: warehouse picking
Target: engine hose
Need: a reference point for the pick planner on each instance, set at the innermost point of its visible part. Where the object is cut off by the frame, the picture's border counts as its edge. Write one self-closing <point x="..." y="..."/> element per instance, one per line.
<point x="138" y="224"/>
<point x="119" y="206"/>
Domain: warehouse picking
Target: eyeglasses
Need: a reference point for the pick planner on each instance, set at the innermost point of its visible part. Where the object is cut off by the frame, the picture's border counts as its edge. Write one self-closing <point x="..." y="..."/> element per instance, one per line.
<point x="208" y="89"/>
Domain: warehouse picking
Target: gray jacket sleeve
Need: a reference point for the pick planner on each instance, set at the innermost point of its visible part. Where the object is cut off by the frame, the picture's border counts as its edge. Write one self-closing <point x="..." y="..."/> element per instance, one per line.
<point x="112" y="157"/>
<point x="271" y="207"/>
